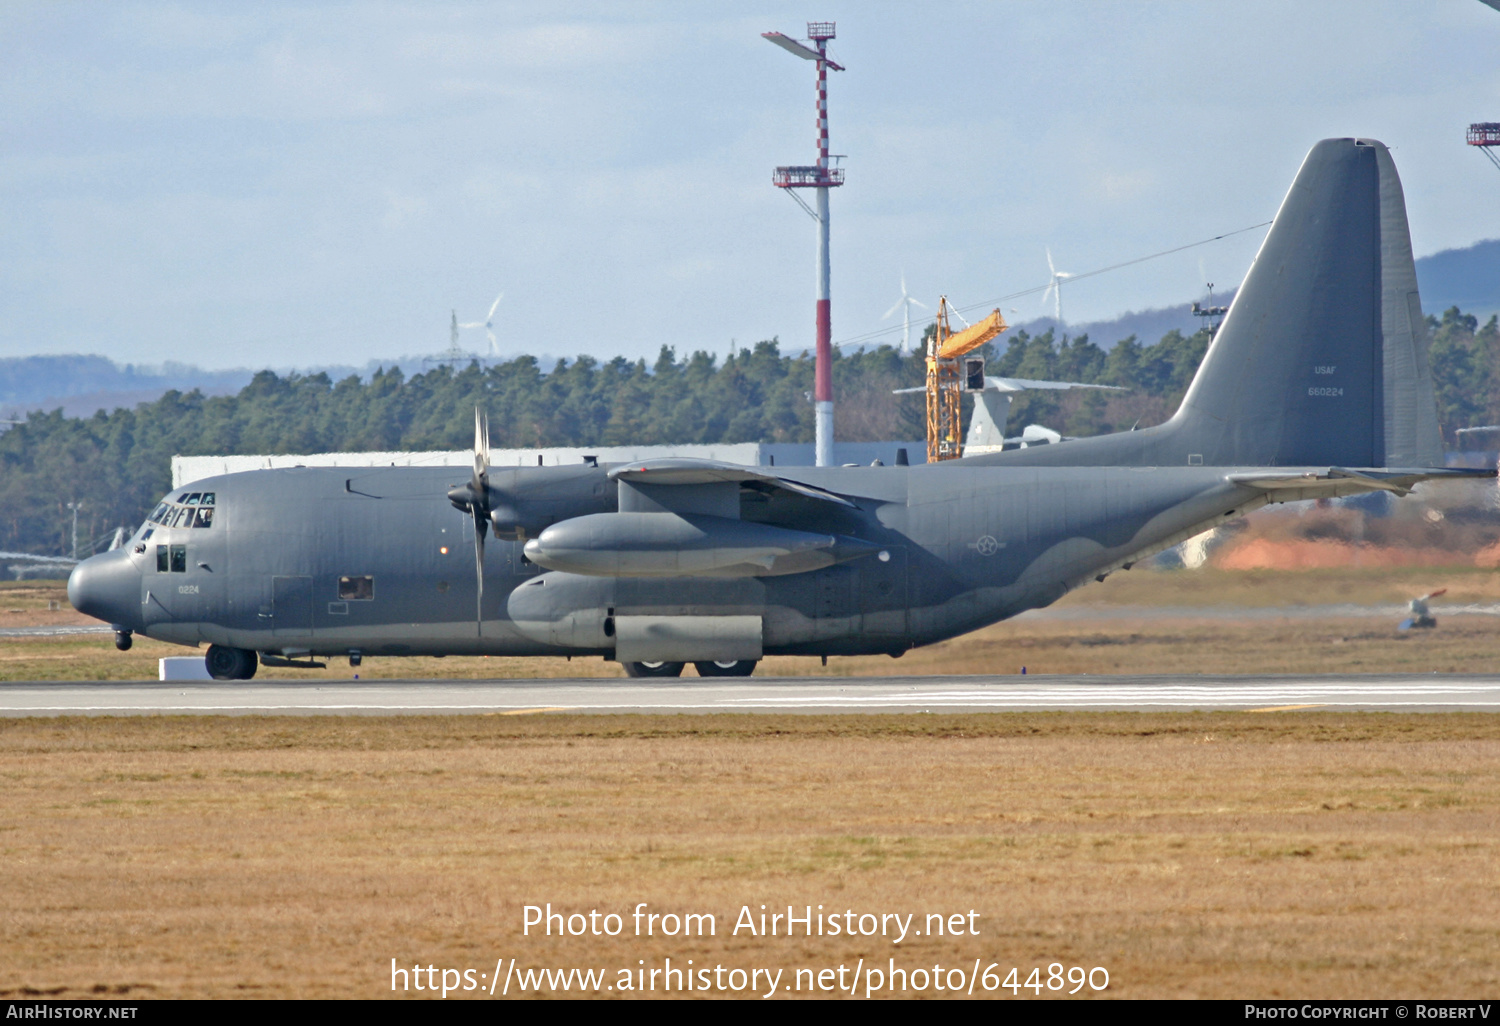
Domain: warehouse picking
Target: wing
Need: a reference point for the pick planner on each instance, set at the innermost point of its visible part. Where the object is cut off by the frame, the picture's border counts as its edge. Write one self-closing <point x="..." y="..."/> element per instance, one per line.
<point x="993" y="384"/>
<point x="682" y="471"/>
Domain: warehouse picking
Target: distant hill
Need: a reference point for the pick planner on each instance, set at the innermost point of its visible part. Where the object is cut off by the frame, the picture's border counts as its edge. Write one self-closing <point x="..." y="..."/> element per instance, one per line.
<point x="1467" y="278"/>
<point x="1146" y="325"/>
<point x="82" y="384"/>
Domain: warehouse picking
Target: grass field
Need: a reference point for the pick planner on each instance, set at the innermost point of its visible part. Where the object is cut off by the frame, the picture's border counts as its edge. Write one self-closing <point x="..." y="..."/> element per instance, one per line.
<point x="1274" y="854"/>
<point x="1212" y="855"/>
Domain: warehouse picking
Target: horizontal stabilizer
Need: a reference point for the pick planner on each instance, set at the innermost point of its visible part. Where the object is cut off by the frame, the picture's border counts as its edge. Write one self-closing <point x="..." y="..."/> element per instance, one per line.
<point x="1339" y="481"/>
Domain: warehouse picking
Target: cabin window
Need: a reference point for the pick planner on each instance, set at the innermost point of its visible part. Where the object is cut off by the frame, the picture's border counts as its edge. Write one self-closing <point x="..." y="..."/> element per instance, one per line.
<point x="182" y="498"/>
<point x="161" y="510"/>
<point x="203" y="516"/>
<point x="357" y="589"/>
<point x="207" y="500"/>
<point x="192" y="500"/>
<point x="179" y="559"/>
<point x="162" y="565"/>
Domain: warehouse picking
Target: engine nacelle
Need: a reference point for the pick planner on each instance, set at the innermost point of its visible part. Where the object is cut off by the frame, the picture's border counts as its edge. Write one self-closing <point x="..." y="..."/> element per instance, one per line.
<point x="685" y="545"/>
<point x="565" y="610"/>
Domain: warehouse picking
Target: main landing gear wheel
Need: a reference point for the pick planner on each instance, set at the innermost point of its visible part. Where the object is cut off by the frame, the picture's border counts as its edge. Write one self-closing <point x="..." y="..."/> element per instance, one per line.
<point x="653" y="669"/>
<point x="726" y="668"/>
<point x="230" y="663"/>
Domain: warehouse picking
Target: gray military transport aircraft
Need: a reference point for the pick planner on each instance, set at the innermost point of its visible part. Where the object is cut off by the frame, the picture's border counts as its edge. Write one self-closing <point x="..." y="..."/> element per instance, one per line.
<point x="1316" y="385"/>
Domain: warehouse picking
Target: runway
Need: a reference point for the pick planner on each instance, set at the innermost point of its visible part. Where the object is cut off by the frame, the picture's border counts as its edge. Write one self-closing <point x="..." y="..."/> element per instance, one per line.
<point x="1395" y="693"/>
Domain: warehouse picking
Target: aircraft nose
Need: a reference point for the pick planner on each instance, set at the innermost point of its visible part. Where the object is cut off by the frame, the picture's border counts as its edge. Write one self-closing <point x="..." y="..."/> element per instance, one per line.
<point x="107" y="587"/>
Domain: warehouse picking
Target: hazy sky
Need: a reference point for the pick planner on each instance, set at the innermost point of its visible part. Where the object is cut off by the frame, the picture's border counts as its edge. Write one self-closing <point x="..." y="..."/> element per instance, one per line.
<point x="296" y="184"/>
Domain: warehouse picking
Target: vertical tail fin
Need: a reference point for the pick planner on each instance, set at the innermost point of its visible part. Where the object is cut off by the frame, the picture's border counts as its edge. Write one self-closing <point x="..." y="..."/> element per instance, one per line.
<point x="1322" y="358"/>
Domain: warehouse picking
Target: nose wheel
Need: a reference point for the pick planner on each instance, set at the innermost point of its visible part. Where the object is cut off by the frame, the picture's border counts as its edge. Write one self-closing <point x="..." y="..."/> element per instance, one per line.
<point x="230" y="663"/>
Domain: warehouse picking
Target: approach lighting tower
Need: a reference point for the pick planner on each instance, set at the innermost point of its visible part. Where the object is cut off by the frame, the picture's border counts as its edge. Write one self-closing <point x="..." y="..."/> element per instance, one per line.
<point x="1486" y="135"/>
<point x="820" y="177"/>
<point x="1212" y="315"/>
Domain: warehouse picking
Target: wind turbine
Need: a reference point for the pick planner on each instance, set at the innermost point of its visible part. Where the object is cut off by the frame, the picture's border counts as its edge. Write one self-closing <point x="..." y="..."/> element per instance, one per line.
<point x="1054" y="288"/>
<point x="907" y="302"/>
<point x="488" y="325"/>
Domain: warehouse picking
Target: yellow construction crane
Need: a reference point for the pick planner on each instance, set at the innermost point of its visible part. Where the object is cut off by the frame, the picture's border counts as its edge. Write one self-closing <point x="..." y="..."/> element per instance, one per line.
<point x="949" y="375"/>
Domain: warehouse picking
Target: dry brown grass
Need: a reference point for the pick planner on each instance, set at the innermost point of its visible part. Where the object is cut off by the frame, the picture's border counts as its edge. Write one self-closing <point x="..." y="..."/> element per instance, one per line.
<point x="1218" y="855"/>
<point x="1357" y="585"/>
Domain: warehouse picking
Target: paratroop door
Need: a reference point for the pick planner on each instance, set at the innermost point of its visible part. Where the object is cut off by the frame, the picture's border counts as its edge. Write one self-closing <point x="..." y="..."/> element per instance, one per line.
<point x="291" y="605"/>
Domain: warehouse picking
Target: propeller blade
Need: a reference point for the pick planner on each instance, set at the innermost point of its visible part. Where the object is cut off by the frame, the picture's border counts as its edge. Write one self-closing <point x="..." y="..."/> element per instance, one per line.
<point x="481" y="456"/>
<point x="493" y="307"/>
<point x="481" y="526"/>
<point x="479" y="507"/>
<point x="893" y="309"/>
<point x="917" y="302"/>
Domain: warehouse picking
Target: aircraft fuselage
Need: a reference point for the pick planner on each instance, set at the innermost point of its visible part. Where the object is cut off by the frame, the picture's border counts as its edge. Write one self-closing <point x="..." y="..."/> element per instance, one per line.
<point x="328" y="561"/>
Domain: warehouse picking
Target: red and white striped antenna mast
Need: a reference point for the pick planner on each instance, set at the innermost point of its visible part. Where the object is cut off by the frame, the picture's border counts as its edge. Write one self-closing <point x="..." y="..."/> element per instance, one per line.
<point x="820" y="177"/>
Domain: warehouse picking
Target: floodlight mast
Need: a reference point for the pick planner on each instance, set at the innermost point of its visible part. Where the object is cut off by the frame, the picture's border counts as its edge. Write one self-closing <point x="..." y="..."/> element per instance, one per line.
<point x="820" y="177"/>
<point x="1485" y="135"/>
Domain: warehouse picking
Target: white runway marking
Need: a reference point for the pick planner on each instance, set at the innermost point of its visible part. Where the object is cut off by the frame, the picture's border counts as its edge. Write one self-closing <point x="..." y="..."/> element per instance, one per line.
<point x="691" y="694"/>
<point x="54" y="632"/>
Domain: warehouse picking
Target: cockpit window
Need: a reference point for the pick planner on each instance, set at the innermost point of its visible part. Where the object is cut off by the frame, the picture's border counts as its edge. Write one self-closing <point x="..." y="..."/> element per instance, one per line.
<point x="192" y="509"/>
<point x="171" y="559"/>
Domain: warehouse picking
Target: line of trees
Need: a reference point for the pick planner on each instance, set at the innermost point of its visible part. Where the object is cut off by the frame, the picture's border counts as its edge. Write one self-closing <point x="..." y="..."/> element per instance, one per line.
<point x="117" y="464"/>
